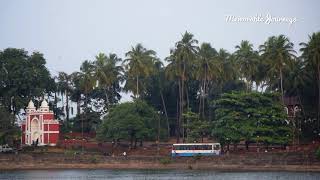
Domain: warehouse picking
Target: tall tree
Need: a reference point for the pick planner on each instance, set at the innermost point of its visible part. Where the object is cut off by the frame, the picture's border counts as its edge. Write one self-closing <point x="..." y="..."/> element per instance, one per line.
<point x="9" y="132"/>
<point x="87" y="81"/>
<point x="277" y="51"/>
<point x="250" y="117"/>
<point x="311" y="54"/>
<point x="130" y="121"/>
<point x="108" y="74"/>
<point x="138" y="65"/>
<point x="207" y="68"/>
<point x="181" y="59"/>
<point x="64" y="87"/>
<point x="247" y="59"/>
<point x="76" y="90"/>
<point x="22" y="77"/>
<point x="228" y="66"/>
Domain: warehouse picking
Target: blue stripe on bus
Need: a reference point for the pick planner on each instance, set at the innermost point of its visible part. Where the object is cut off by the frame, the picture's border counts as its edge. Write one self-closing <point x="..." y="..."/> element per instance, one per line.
<point x="192" y="154"/>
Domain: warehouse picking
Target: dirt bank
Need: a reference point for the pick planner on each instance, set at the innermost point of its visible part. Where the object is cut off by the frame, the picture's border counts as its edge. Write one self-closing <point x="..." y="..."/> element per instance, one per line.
<point x="248" y="162"/>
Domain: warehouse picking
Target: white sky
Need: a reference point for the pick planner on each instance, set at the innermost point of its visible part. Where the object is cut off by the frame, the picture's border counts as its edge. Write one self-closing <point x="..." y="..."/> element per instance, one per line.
<point x="69" y="32"/>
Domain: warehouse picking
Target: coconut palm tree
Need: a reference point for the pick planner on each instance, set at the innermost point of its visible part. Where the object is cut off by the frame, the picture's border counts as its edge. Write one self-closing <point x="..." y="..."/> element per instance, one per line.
<point x="180" y="60"/>
<point x="206" y="69"/>
<point x="107" y="73"/>
<point x="227" y="66"/>
<point x="64" y="87"/>
<point x="247" y="60"/>
<point x="311" y="55"/>
<point x="277" y="51"/>
<point x="76" y="90"/>
<point x="138" y="65"/>
<point x="87" y="80"/>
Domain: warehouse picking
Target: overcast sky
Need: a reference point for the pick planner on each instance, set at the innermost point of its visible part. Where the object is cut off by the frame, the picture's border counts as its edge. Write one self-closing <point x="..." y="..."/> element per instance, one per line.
<point x="69" y="32"/>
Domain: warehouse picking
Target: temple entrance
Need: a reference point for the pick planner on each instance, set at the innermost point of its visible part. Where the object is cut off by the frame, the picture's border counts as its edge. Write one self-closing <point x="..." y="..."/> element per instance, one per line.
<point x="35" y="135"/>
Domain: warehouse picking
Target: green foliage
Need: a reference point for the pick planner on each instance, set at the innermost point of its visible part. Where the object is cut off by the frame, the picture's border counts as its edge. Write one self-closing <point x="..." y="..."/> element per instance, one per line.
<point x="195" y="76"/>
<point x="89" y="121"/>
<point x="9" y="133"/>
<point x="253" y="117"/>
<point x="248" y="62"/>
<point x="22" y="77"/>
<point x="195" y="127"/>
<point x="94" y="159"/>
<point x="165" y="160"/>
<point x="278" y="52"/>
<point x="197" y="157"/>
<point x="139" y="65"/>
<point x="318" y="153"/>
<point x="130" y="121"/>
<point x="71" y="153"/>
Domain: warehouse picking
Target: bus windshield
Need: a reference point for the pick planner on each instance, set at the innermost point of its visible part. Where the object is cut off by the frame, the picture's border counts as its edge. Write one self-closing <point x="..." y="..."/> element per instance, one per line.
<point x="193" y="147"/>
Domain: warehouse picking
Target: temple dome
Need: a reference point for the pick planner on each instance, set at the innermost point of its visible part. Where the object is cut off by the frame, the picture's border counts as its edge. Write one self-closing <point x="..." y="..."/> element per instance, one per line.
<point x="44" y="103"/>
<point x="30" y="105"/>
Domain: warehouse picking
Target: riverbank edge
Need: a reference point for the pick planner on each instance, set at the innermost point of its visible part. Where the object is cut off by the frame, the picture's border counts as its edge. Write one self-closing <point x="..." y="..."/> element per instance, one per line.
<point x="159" y="166"/>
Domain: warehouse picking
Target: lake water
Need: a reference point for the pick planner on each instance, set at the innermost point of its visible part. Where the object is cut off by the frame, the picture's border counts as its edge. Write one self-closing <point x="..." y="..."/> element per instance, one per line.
<point x="154" y="174"/>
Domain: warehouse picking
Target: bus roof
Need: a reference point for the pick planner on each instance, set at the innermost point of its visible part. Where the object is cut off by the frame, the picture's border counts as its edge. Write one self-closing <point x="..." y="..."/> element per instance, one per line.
<point x="192" y="144"/>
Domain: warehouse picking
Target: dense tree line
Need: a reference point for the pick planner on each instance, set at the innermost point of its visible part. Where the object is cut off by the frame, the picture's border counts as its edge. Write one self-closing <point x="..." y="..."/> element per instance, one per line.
<point x="251" y="117"/>
<point x="181" y="93"/>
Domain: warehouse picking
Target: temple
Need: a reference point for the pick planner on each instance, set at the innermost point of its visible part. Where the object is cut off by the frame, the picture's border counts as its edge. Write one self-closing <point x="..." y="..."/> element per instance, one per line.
<point x="292" y="106"/>
<point x="39" y="128"/>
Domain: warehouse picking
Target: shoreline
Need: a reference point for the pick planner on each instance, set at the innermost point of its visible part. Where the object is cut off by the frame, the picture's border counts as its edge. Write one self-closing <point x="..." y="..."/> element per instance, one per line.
<point x="224" y="168"/>
<point x="158" y="166"/>
<point x="290" y="162"/>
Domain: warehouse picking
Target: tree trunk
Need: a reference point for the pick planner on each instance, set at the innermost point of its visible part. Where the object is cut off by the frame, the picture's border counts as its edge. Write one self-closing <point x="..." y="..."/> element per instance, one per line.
<point x="178" y="118"/>
<point x="247" y="145"/>
<point x="178" y="112"/>
<point x="182" y="119"/>
<point x="204" y="94"/>
<point x="281" y="86"/>
<point x="55" y="105"/>
<point x="78" y="107"/>
<point x="131" y="141"/>
<point x="200" y="105"/>
<point x="235" y="146"/>
<point x="187" y="96"/>
<point x="318" y="117"/>
<point x="135" y="143"/>
<point x="182" y="99"/>
<point x="67" y="104"/>
<point x="107" y="98"/>
<point x="137" y="95"/>
<point x="165" y="112"/>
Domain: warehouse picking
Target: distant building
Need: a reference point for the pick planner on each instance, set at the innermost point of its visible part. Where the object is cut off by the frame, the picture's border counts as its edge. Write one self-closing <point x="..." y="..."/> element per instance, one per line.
<point x="39" y="127"/>
<point x="292" y="106"/>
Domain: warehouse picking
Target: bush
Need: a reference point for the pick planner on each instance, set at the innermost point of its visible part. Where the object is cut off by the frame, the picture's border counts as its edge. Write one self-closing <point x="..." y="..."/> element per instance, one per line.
<point x="318" y="153"/>
<point x="93" y="159"/>
<point x="28" y="149"/>
<point x="165" y="161"/>
<point x="71" y="153"/>
<point x="197" y="157"/>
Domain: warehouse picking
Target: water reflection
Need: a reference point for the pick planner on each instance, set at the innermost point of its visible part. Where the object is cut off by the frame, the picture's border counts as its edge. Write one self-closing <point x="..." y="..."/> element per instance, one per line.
<point x="154" y="174"/>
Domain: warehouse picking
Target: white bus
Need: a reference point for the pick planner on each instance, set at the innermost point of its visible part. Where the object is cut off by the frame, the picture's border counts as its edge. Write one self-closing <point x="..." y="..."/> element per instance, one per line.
<point x="196" y="149"/>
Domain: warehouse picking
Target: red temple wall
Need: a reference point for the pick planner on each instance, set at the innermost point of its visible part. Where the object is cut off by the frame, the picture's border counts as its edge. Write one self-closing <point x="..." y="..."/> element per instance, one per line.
<point x="45" y="138"/>
<point x="23" y="138"/>
<point x="54" y="127"/>
<point x="54" y="138"/>
<point x="48" y="116"/>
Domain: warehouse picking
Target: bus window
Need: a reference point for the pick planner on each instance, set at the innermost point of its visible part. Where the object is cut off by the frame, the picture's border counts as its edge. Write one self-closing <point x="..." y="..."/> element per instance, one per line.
<point x="216" y="147"/>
